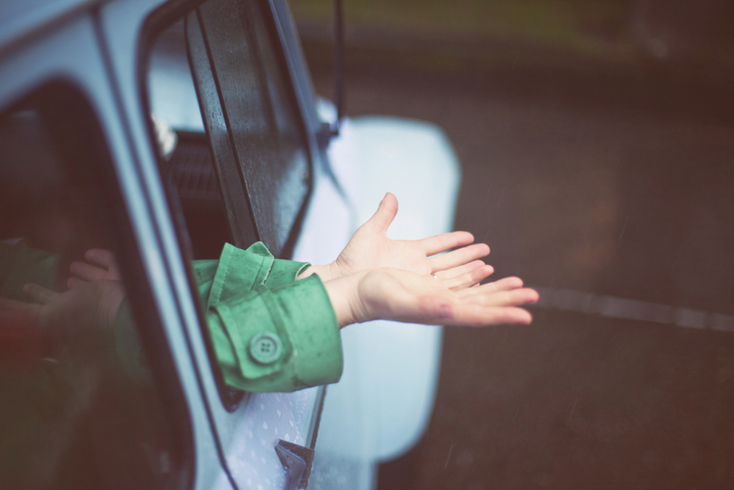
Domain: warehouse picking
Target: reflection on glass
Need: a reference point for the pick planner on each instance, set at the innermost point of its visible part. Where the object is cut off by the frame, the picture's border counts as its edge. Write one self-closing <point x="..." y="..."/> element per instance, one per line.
<point x="78" y="408"/>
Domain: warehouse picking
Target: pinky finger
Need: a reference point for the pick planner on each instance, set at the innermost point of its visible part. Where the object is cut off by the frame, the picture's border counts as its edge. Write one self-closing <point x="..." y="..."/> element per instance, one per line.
<point x="483" y="316"/>
<point x="514" y="297"/>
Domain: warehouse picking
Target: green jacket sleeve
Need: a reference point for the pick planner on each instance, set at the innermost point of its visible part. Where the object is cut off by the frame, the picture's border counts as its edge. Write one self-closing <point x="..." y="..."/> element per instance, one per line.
<point x="270" y="332"/>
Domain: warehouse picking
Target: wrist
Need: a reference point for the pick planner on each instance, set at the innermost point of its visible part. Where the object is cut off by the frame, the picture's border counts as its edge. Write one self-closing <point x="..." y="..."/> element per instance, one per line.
<point x="344" y="296"/>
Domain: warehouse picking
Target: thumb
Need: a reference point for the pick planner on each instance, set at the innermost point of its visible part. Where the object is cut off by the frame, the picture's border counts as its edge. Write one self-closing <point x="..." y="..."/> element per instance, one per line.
<point x="384" y="216"/>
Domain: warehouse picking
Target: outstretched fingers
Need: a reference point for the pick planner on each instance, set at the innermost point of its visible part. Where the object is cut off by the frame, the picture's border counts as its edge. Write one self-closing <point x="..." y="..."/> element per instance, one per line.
<point x="458" y="257"/>
<point x="446" y="241"/>
<point x="457" y="271"/>
<point x="480" y="316"/>
<point x="395" y="294"/>
<point x="458" y="313"/>
<point x="475" y="272"/>
<point x="507" y="292"/>
<point x="505" y="284"/>
<point x="482" y="306"/>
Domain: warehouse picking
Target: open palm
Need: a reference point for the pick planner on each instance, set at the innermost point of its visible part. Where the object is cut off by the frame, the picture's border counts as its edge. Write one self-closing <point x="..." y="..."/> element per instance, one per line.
<point x="370" y="248"/>
<point x="404" y="296"/>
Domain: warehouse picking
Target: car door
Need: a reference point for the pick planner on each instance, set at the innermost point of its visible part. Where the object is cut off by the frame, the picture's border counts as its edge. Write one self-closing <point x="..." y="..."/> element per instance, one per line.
<point x="95" y="393"/>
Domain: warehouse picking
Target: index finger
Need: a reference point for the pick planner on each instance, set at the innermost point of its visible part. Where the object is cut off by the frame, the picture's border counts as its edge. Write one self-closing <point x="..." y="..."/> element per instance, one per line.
<point x="446" y="241"/>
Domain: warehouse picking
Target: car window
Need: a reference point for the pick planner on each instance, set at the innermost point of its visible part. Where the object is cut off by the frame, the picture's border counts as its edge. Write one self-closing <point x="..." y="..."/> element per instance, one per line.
<point x="229" y="135"/>
<point x="217" y="83"/>
<point x="79" y="404"/>
<point x="228" y="125"/>
<point x="250" y="112"/>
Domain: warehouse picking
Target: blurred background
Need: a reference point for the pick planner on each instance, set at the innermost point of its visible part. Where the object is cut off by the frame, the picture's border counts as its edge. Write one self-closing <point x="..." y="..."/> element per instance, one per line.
<point x="597" y="145"/>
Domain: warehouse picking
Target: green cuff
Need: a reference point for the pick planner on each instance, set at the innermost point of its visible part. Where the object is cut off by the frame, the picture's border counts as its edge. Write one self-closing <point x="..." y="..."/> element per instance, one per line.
<point x="306" y="305"/>
<point x="285" y="272"/>
<point x="239" y="271"/>
<point x="297" y="326"/>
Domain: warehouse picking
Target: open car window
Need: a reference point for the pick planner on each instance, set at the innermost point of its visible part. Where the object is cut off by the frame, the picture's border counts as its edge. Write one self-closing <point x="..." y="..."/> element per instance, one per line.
<point x="80" y="405"/>
<point x="217" y="80"/>
<point x="232" y="145"/>
<point x="250" y="112"/>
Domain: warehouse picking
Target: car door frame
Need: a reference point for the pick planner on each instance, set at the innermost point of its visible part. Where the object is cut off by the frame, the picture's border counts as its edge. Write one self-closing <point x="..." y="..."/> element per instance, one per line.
<point x="128" y="66"/>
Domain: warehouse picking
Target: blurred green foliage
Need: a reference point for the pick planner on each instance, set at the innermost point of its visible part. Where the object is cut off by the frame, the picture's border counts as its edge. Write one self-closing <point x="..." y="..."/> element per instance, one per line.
<point x="588" y="25"/>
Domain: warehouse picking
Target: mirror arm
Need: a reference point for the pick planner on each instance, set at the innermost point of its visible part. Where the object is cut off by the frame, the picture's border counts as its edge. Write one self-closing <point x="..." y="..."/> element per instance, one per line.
<point x="338" y="65"/>
<point x="329" y="131"/>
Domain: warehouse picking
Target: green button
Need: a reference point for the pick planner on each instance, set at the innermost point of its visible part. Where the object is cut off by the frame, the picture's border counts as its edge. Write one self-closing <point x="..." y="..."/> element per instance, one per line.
<point x="265" y="348"/>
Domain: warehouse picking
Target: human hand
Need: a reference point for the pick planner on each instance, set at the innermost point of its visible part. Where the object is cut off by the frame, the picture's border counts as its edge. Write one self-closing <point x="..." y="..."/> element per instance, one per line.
<point x="60" y="315"/>
<point x="404" y="296"/>
<point x="369" y="248"/>
<point x="105" y="269"/>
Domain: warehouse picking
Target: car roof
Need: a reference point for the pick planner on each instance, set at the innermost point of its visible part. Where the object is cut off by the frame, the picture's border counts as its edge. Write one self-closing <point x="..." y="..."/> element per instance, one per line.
<point x="23" y="19"/>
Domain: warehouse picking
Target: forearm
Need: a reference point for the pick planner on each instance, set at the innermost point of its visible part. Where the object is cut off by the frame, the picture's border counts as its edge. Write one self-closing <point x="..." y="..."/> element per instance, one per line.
<point x="344" y="297"/>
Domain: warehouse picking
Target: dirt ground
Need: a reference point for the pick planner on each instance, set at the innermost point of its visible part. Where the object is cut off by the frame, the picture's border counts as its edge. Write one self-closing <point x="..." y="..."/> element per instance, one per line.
<point x="590" y="183"/>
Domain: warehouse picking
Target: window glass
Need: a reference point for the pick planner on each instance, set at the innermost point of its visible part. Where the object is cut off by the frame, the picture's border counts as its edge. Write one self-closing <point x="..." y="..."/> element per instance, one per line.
<point x="228" y="131"/>
<point x="79" y="408"/>
<point x="250" y="113"/>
